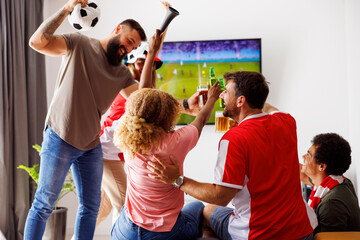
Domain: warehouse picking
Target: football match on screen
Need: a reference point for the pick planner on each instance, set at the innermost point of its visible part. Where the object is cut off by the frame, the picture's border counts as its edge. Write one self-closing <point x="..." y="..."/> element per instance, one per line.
<point x="186" y="65"/>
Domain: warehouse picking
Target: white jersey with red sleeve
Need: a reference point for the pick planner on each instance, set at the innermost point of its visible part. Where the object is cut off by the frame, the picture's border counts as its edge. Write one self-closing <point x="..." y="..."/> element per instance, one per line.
<point x="117" y="109"/>
<point x="259" y="157"/>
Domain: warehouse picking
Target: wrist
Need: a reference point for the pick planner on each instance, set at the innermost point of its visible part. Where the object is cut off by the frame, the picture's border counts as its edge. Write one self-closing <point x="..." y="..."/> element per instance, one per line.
<point x="212" y="100"/>
<point x="186" y="104"/>
<point x="152" y="53"/>
<point x="68" y="8"/>
<point x="179" y="181"/>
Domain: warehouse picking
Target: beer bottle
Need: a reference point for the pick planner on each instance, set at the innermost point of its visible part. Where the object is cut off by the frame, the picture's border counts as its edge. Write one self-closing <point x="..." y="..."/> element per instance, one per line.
<point x="222" y="86"/>
<point x="212" y="77"/>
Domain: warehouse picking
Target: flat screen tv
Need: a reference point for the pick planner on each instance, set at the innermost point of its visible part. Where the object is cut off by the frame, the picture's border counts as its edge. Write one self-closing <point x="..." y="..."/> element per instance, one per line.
<point x="186" y="65"/>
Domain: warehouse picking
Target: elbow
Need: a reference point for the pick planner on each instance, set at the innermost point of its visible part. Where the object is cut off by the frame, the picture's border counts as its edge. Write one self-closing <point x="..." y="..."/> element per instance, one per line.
<point x="32" y="44"/>
<point x="35" y="43"/>
<point x="224" y="195"/>
<point x="222" y="202"/>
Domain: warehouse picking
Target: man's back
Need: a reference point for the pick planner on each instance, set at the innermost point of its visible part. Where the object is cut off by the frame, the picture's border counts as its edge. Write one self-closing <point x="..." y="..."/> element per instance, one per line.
<point x="339" y="210"/>
<point x="261" y="155"/>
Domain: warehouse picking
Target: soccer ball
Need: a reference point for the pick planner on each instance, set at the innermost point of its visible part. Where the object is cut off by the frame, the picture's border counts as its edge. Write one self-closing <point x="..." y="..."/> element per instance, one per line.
<point x="83" y="19"/>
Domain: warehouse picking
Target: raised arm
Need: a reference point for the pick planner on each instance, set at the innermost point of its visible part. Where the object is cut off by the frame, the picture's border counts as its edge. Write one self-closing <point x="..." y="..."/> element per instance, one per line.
<point x="146" y="78"/>
<point x="154" y="45"/>
<point x="44" y="41"/>
<point x="205" y="113"/>
<point x="165" y="6"/>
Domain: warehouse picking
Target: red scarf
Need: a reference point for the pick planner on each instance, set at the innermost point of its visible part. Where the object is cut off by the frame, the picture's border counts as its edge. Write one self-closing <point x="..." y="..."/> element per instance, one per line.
<point x="325" y="186"/>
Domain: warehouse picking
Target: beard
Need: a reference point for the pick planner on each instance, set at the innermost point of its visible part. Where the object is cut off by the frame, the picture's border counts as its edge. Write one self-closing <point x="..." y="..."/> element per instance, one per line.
<point x="231" y="111"/>
<point x="112" y="53"/>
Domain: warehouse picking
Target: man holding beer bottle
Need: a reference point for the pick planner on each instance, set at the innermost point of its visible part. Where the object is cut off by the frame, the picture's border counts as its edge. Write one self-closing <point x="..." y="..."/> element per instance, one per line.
<point x="257" y="170"/>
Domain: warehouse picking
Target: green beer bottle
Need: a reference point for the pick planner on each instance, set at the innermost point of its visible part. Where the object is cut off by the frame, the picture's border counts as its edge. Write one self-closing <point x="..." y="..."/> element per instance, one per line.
<point x="212" y="77"/>
<point x="222" y="86"/>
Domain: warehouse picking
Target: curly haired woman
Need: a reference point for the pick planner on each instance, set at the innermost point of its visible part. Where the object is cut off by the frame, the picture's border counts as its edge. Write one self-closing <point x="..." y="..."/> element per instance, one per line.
<point x="146" y="132"/>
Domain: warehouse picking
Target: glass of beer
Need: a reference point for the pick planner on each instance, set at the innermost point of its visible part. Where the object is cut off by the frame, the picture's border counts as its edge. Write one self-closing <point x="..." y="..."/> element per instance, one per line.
<point x="233" y="123"/>
<point x="221" y="122"/>
<point x="203" y="94"/>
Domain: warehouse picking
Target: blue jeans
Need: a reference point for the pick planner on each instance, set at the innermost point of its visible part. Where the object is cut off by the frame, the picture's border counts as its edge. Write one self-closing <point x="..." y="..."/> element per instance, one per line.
<point x="219" y="222"/>
<point x="187" y="226"/>
<point x="308" y="237"/>
<point x="87" y="167"/>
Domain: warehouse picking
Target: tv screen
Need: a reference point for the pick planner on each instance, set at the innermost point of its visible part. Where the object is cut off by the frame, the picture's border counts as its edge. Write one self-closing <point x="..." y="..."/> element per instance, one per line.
<point x="186" y="65"/>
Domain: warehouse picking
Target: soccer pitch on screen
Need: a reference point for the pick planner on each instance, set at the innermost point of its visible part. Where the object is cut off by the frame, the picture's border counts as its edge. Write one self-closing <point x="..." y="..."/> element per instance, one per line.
<point x="182" y="79"/>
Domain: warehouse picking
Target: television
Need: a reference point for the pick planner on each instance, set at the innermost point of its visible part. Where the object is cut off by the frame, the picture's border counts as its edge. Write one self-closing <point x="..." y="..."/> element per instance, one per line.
<point x="186" y="65"/>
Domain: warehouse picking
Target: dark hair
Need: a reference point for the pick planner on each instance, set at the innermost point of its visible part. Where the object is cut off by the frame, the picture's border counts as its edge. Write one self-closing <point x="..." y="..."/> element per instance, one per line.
<point x="135" y="25"/>
<point x="334" y="151"/>
<point x="251" y="85"/>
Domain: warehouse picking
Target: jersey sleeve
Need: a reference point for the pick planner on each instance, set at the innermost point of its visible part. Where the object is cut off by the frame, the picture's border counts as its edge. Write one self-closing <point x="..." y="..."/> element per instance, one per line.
<point x="231" y="165"/>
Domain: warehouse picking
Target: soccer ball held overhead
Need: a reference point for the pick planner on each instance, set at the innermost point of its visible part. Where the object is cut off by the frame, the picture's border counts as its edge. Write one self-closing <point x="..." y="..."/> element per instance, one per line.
<point x="83" y="19"/>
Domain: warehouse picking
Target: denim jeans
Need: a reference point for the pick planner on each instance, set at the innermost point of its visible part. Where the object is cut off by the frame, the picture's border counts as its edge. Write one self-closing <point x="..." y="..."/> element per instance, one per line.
<point x="219" y="222"/>
<point x="309" y="237"/>
<point x="187" y="226"/>
<point x="87" y="167"/>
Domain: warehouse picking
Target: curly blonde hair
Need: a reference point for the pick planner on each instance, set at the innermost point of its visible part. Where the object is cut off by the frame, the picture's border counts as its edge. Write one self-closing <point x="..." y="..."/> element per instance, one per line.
<point x="149" y="114"/>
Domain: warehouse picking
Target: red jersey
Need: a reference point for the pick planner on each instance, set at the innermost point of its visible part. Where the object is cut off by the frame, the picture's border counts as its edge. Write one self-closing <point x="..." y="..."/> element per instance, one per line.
<point x="117" y="109"/>
<point x="260" y="158"/>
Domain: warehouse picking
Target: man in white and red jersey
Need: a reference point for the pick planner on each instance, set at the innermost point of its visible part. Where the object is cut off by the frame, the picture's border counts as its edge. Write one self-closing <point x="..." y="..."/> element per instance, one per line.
<point x="257" y="170"/>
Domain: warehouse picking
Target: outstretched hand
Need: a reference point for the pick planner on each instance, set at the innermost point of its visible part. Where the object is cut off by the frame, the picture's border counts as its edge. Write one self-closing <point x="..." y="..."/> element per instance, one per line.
<point x="162" y="171"/>
<point x="193" y="102"/>
<point x="72" y="3"/>
<point x="165" y="5"/>
<point x="155" y="42"/>
<point x="215" y="91"/>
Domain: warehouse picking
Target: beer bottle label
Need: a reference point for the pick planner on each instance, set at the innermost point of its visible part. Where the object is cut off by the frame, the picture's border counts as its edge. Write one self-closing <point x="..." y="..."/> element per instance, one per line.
<point x="212" y="81"/>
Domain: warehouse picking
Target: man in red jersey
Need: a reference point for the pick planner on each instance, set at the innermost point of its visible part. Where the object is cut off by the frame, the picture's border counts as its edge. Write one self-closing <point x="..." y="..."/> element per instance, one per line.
<point x="257" y="170"/>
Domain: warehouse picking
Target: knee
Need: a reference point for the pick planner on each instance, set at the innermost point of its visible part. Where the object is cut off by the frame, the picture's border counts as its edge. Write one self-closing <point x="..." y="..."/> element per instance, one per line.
<point x="89" y="205"/>
<point x="40" y="211"/>
<point x="208" y="211"/>
<point x="44" y="201"/>
<point x="195" y="207"/>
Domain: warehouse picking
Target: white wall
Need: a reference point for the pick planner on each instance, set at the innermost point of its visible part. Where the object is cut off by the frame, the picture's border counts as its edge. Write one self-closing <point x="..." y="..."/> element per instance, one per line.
<point x="353" y="77"/>
<point x="310" y="54"/>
